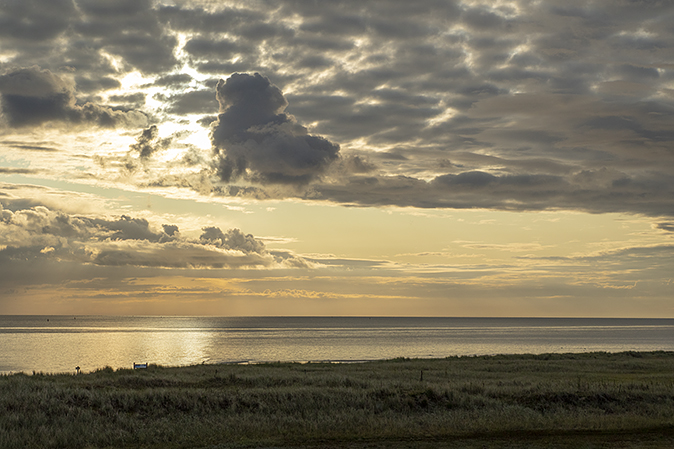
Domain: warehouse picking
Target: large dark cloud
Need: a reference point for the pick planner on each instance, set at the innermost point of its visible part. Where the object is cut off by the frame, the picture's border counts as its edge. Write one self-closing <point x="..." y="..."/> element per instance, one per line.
<point x="256" y="140"/>
<point x="31" y="96"/>
<point x="599" y="191"/>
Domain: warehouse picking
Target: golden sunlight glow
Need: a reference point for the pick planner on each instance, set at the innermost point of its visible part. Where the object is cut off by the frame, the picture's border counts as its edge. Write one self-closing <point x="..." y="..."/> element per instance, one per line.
<point x="446" y="115"/>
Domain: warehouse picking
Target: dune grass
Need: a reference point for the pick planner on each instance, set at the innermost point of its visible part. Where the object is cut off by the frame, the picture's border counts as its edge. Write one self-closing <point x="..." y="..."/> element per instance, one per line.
<point x="599" y="399"/>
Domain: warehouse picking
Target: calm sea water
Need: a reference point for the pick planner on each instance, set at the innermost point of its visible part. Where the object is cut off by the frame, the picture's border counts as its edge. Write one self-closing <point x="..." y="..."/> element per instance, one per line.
<point x="59" y="343"/>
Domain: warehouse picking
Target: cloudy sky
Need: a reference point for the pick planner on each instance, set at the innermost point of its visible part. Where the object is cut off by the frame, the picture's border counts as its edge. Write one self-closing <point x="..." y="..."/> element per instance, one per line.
<point x="370" y="157"/>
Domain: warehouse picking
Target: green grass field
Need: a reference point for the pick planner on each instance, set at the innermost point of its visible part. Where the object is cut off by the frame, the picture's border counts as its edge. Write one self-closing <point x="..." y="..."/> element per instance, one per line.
<point x="553" y="401"/>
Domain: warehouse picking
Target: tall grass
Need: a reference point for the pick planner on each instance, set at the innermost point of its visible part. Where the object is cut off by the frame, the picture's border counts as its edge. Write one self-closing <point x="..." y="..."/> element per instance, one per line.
<point x="394" y="400"/>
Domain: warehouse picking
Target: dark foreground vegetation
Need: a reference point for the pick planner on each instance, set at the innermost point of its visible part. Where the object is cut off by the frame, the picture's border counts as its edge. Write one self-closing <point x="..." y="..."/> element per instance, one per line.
<point x="555" y="400"/>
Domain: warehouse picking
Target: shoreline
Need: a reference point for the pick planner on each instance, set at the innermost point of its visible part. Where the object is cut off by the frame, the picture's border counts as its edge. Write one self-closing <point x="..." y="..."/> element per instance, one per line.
<point x="58" y="346"/>
<point x="543" y="355"/>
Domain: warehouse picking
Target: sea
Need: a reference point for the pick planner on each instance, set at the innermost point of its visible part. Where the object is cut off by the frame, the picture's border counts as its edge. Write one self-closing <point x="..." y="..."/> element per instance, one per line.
<point x="59" y="344"/>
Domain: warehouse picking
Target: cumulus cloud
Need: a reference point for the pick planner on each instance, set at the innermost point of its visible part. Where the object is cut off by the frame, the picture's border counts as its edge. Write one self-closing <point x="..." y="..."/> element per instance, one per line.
<point x="232" y="239"/>
<point x="256" y="140"/>
<point x="42" y="234"/>
<point x="31" y="96"/>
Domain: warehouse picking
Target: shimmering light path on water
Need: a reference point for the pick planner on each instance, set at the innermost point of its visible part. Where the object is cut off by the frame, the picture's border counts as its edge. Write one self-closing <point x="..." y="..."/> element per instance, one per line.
<point x="59" y="343"/>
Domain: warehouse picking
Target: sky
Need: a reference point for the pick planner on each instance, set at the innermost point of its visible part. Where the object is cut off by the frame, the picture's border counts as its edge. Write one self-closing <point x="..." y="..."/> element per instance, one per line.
<point x="366" y="158"/>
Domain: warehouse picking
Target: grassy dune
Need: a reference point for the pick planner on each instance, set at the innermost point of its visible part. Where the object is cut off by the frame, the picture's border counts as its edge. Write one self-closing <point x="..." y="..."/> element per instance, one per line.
<point x="555" y="400"/>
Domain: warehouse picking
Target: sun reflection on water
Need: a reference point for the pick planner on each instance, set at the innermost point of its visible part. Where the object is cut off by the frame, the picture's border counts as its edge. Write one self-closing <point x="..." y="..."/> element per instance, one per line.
<point x="59" y="344"/>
